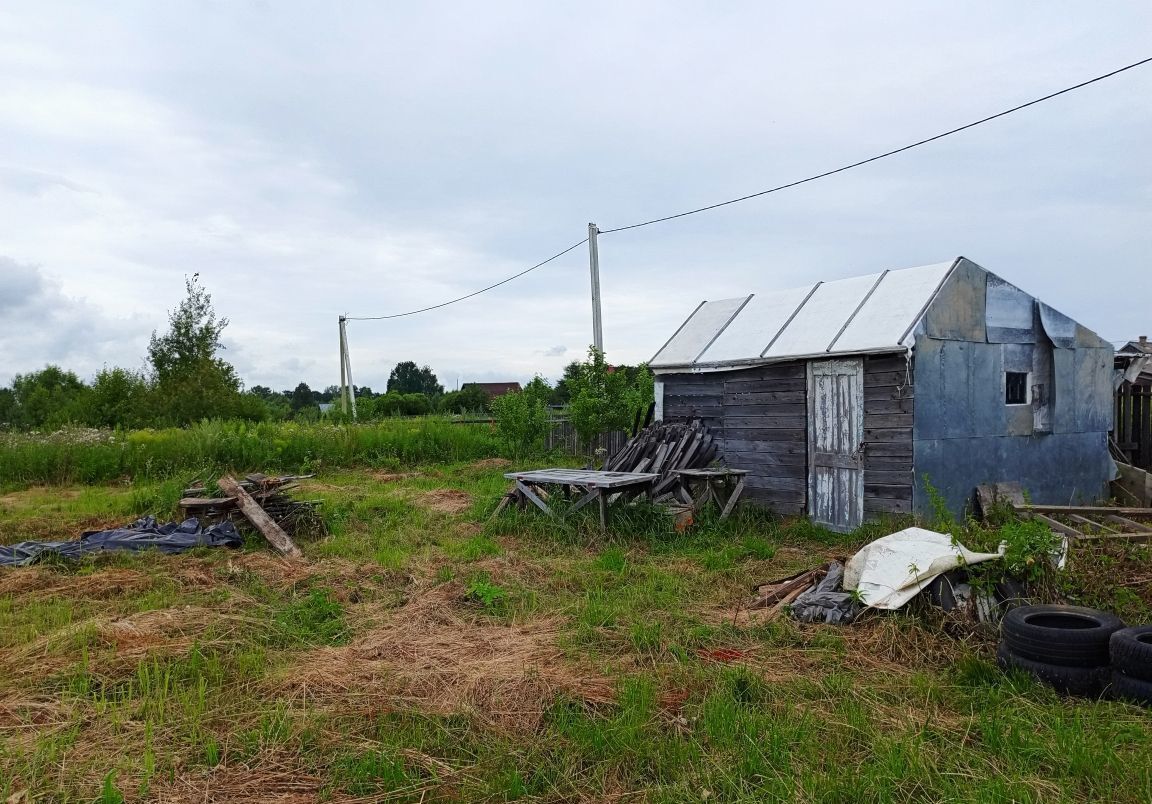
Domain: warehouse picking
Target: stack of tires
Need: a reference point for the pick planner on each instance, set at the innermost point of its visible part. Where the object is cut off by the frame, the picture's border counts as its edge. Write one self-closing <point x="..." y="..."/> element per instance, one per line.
<point x="1067" y="647"/>
<point x="1131" y="650"/>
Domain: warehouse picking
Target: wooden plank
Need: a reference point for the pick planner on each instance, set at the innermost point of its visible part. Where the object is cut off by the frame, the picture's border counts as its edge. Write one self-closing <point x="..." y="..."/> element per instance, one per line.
<point x="791" y="409"/>
<point x="888" y="477"/>
<point x="1083" y="520"/>
<point x="887" y="435"/>
<point x="1088" y="509"/>
<point x="207" y="502"/>
<point x="792" y="369"/>
<point x="764" y="423"/>
<point x="888" y="392"/>
<point x="793" y="435"/>
<point x="901" y="449"/>
<point x="903" y="405"/>
<point x="886" y="378"/>
<point x="731" y="443"/>
<point x="883" y="363"/>
<point x="780" y="483"/>
<point x="1128" y="523"/>
<point x="763" y="398"/>
<point x="883" y="505"/>
<point x="759" y="386"/>
<point x="876" y="421"/>
<point x="887" y="463"/>
<point x="770" y="470"/>
<point x="675" y="388"/>
<point x="886" y="492"/>
<point x="1058" y="526"/>
<point x="259" y="518"/>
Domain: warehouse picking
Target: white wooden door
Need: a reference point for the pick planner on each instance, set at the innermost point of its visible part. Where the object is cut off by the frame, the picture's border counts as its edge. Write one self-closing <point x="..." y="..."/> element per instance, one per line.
<point x="836" y="443"/>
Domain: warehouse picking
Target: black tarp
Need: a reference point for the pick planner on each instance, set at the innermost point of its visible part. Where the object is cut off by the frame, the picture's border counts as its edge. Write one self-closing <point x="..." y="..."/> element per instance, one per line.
<point x="142" y="534"/>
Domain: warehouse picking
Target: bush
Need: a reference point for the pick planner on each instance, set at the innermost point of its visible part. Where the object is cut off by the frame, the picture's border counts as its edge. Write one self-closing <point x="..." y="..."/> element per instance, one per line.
<point x="522" y="417"/>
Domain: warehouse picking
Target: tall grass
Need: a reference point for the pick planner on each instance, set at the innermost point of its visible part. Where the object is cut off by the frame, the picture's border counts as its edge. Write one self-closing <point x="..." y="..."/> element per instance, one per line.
<point x="93" y="456"/>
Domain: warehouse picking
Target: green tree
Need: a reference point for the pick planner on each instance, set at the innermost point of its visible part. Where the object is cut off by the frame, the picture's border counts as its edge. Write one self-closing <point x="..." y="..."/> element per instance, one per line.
<point x="522" y="416"/>
<point x="192" y="383"/>
<point x="604" y="398"/>
<point x="49" y="398"/>
<point x="302" y="398"/>
<point x="119" y="398"/>
<point x="408" y="378"/>
<point x="7" y="408"/>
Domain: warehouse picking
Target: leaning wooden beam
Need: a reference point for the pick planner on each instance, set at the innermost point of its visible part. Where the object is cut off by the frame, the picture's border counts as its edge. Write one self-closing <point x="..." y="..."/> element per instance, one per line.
<point x="1059" y="527"/>
<point x="1083" y="520"/>
<point x="1085" y="509"/>
<point x="260" y="519"/>
<point x="530" y="495"/>
<point x="1118" y="537"/>
<point x="1128" y="523"/>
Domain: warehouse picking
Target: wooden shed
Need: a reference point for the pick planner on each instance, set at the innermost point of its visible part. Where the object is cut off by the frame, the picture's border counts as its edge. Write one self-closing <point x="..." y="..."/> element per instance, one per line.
<point x="849" y="399"/>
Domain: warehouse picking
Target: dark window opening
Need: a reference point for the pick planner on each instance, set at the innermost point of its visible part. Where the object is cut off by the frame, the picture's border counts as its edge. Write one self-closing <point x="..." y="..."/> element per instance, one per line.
<point x="1015" y="388"/>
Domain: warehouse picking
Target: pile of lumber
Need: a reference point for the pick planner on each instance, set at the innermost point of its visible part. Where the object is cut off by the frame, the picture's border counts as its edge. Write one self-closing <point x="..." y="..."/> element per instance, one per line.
<point x="262" y="500"/>
<point x="663" y="447"/>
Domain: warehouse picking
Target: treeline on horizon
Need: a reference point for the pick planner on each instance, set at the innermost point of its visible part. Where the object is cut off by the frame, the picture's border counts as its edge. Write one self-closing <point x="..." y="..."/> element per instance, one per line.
<point x="186" y="381"/>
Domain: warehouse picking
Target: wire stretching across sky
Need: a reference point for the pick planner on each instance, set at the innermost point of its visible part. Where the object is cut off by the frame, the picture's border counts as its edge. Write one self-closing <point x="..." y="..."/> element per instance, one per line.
<point x="775" y="189"/>
<point x="473" y="293"/>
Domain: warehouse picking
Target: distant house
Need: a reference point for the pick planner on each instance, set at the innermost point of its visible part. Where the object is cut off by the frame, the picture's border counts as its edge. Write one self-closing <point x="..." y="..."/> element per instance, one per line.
<point x="494" y="389"/>
<point x="1133" y="416"/>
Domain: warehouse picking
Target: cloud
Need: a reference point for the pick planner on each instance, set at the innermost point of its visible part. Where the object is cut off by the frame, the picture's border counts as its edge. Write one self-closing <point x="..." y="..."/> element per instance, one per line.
<point x="40" y="325"/>
<point x="311" y="163"/>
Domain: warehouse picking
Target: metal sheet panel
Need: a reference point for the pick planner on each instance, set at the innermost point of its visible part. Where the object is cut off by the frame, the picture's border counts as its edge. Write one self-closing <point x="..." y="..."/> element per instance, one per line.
<point x="957" y="313"/>
<point x="825" y="313"/>
<point x="697" y="332"/>
<point x="1093" y="390"/>
<point x="894" y="305"/>
<point x="758" y="323"/>
<point x="1059" y="328"/>
<point x="1009" y="313"/>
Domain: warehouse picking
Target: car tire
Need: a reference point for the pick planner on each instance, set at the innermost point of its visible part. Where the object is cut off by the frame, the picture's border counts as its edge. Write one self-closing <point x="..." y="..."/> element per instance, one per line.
<point x="1131" y="689"/>
<point x="1085" y="682"/>
<point x="1131" y="650"/>
<point x="1071" y="636"/>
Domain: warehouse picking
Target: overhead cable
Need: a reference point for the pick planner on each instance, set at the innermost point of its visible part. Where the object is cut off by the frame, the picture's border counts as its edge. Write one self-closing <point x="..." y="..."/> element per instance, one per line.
<point x="470" y="295"/>
<point x="884" y="155"/>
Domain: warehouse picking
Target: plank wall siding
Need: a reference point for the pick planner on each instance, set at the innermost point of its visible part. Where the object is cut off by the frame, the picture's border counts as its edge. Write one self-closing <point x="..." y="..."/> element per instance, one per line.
<point x="759" y="418"/>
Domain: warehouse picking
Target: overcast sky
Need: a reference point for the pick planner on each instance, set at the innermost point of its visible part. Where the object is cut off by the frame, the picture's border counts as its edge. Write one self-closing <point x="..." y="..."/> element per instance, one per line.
<point x="313" y="159"/>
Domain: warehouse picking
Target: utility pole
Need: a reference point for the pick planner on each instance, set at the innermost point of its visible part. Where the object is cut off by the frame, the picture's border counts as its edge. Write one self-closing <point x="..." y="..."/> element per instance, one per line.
<point x="347" y="389"/>
<point x="343" y="369"/>
<point x="594" y="268"/>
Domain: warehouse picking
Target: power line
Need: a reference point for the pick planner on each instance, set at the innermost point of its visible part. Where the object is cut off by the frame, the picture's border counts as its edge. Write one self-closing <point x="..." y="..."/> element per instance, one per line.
<point x="883" y="155"/>
<point x="470" y="295"/>
<point x="763" y="192"/>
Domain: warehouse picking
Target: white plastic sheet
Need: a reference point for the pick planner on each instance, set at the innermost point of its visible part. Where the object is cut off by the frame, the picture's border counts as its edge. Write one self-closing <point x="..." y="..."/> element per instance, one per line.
<point x="892" y="570"/>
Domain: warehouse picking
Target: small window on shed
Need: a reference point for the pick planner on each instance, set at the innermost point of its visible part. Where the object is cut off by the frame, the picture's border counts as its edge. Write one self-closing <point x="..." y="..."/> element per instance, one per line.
<point x="1015" y="388"/>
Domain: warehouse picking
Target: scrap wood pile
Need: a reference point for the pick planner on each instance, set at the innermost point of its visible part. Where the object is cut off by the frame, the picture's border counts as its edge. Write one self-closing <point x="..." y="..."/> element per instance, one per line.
<point x="663" y="447"/>
<point x="262" y="500"/>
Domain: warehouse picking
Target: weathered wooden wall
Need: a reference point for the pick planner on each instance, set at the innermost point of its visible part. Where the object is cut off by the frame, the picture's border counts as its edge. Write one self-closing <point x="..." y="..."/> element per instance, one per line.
<point x="759" y="420"/>
<point x="759" y="416"/>
<point x="888" y="415"/>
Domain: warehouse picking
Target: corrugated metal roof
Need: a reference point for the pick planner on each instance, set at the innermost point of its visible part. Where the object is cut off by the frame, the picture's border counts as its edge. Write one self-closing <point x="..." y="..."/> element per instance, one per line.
<point x="868" y="313"/>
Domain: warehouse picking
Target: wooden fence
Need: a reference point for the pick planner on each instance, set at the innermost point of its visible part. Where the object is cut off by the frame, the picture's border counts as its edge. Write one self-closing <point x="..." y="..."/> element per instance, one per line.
<point x="562" y="436"/>
<point x="1133" y="431"/>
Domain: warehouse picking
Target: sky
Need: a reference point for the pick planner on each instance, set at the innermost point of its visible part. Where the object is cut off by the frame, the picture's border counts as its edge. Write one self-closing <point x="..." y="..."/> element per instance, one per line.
<point x="316" y="159"/>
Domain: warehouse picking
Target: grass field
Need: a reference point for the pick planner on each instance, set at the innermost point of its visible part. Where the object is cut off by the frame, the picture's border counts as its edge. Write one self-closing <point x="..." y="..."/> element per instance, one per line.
<point x="420" y="655"/>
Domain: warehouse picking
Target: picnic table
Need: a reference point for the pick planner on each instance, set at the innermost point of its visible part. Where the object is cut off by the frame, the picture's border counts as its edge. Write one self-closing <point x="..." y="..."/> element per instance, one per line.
<point x="590" y="486"/>
<point x="719" y="484"/>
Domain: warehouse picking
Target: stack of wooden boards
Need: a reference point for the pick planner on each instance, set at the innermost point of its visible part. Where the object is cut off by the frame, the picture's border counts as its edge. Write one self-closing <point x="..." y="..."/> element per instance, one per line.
<point x="262" y="500"/>
<point x="663" y="447"/>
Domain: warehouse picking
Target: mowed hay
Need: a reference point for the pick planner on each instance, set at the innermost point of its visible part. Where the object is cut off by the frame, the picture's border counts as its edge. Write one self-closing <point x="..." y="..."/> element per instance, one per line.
<point x="429" y="656"/>
<point x="444" y="501"/>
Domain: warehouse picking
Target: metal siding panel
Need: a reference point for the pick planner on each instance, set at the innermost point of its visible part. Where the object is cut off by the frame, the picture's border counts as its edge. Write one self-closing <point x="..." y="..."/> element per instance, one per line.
<point x="697" y="332"/>
<point x="957" y="313"/>
<point x="1093" y="390"/>
<point x="1009" y="313"/>
<point x="956" y="466"/>
<point x="1059" y="328"/>
<point x="892" y="308"/>
<point x="749" y="333"/>
<point x="1064" y="391"/>
<point x="988" y="413"/>
<point x="821" y="318"/>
